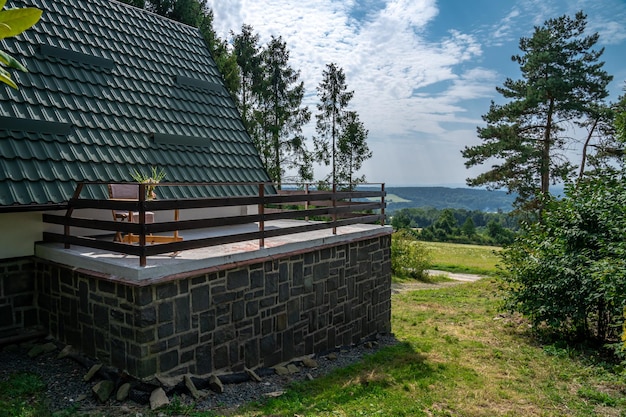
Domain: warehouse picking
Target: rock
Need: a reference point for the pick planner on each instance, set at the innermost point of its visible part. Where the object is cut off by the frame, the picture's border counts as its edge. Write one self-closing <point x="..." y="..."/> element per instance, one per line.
<point x="103" y="390"/>
<point x="41" y="349"/>
<point x="253" y="375"/>
<point x="122" y="392"/>
<point x="274" y="394"/>
<point x="293" y="369"/>
<point x="92" y="371"/>
<point x="332" y="356"/>
<point x="67" y="351"/>
<point x="158" y="399"/>
<point x="11" y="348"/>
<point x="215" y="384"/>
<point x="368" y="345"/>
<point x="281" y="370"/>
<point x="169" y="382"/>
<point x="81" y="397"/>
<point x="309" y="377"/>
<point x="192" y="388"/>
<point x="309" y="363"/>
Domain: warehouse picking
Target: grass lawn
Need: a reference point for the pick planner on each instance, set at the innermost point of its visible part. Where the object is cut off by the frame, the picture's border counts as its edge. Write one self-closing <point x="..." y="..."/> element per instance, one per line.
<point x="457" y="356"/>
<point x="472" y="259"/>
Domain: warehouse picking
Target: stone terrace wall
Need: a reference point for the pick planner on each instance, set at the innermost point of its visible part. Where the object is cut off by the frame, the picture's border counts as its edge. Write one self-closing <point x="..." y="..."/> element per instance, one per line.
<point x="250" y="316"/>
<point x="17" y="294"/>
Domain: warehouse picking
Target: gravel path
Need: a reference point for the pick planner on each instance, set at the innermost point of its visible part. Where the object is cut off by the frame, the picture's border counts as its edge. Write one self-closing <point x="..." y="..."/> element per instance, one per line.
<point x="66" y="387"/>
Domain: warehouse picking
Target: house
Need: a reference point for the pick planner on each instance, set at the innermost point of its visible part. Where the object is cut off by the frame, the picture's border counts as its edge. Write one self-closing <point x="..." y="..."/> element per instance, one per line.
<point x="113" y="88"/>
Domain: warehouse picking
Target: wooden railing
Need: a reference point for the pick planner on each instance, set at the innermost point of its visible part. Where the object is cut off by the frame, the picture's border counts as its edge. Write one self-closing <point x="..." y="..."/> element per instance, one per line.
<point x="330" y="209"/>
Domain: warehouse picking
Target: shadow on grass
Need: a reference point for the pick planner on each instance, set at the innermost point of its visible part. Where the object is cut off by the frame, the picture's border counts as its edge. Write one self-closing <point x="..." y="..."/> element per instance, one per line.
<point x="389" y="373"/>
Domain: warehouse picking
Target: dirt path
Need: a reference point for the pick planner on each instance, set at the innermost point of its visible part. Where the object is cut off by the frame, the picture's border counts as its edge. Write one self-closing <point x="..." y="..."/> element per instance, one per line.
<point x="457" y="277"/>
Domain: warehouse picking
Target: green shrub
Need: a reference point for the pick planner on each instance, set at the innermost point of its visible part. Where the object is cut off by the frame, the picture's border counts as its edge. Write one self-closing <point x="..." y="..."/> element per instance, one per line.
<point x="409" y="257"/>
<point x="568" y="273"/>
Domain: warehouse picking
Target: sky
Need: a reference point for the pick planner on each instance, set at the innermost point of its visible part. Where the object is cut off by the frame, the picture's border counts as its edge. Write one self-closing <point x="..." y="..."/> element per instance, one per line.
<point x="422" y="71"/>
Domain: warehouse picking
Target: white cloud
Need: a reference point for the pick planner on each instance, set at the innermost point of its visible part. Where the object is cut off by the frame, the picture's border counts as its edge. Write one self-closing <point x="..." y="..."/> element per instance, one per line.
<point x="416" y="93"/>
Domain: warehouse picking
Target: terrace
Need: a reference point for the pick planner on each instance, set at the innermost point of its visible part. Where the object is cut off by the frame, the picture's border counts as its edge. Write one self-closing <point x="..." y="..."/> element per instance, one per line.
<point x="183" y="239"/>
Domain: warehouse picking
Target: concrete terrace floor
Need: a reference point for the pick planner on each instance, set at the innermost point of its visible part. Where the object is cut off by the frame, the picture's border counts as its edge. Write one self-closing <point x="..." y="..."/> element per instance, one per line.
<point x="121" y="267"/>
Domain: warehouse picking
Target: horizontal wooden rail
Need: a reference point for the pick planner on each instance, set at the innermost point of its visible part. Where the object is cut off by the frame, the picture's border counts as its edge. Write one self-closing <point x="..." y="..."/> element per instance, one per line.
<point x="342" y="208"/>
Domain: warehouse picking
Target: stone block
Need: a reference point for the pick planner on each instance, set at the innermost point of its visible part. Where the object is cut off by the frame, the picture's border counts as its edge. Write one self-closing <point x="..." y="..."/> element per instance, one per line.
<point x="321" y="272"/>
<point x="221" y="358"/>
<point x="200" y="299"/>
<point x="256" y="279"/>
<point x="168" y="360"/>
<point x="181" y="314"/>
<point x="237" y="279"/>
<point x="271" y="284"/>
<point x="166" y="291"/>
<point x="204" y="360"/>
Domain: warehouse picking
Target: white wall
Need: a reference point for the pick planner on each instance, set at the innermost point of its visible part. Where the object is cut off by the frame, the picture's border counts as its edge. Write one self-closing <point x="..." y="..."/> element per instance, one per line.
<point x="20" y="231"/>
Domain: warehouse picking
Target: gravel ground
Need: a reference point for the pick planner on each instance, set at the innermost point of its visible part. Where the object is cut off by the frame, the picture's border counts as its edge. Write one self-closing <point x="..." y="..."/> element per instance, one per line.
<point x="65" y="387"/>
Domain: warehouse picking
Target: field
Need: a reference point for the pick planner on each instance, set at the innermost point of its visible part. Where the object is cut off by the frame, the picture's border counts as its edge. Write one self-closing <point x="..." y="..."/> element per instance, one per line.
<point x="458" y="355"/>
<point x="472" y="259"/>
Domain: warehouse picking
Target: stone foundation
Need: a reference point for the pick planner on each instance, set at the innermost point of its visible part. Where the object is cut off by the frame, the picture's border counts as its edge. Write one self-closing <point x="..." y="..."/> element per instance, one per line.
<point x="17" y="294"/>
<point x="253" y="315"/>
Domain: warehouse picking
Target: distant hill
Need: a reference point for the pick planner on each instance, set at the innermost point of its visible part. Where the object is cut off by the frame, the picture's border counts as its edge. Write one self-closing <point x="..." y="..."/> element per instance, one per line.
<point x="443" y="197"/>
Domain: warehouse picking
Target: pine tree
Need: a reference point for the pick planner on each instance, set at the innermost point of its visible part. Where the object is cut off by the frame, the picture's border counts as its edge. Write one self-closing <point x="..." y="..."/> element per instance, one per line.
<point x="334" y="99"/>
<point x="352" y="150"/>
<point x="562" y="82"/>
<point x="247" y="52"/>
<point x="280" y="115"/>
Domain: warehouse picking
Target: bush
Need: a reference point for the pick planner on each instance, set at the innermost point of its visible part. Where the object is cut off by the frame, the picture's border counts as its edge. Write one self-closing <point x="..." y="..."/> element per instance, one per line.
<point x="409" y="257"/>
<point x="569" y="271"/>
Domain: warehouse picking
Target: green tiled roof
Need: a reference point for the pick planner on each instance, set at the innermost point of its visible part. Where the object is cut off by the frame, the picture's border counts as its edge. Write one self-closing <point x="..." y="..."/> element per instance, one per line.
<point x="112" y="88"/>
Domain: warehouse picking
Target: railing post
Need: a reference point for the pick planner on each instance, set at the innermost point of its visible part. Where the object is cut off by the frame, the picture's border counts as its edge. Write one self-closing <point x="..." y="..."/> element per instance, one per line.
<point x="306" y="203"/>
<point x="382" y="203"/>
<point x="142" y="222"/>
<point x="68" y="213"/>
<point x="334" y="208"/>
<point x="261" y="215"/>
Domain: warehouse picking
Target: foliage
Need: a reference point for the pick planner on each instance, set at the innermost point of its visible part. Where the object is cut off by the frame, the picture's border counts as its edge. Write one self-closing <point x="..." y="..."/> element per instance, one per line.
<point x="568" y="273"/>
<point x="21" y="396"/>
<point x="281" y="116"/>
<point x="478" y="227"/>
<point x="151" y="179"/>
<point x="352" y="151"/>
<point x="12" y="23"/>
<point x="409" y="258"/>
<point x="248" y="55"/>
<point x="562" y="81"/>
<point x="341" y="139"/>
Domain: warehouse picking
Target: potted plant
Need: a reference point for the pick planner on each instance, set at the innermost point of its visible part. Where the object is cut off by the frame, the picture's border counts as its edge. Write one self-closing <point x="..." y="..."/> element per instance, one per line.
<point x="151" y="180"/>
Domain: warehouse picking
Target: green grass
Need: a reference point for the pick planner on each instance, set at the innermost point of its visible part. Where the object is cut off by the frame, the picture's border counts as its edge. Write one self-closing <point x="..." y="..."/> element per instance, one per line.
<point x="21" y="396"/>
<point x="457" y="356"/>
<point x="471" y="259"/>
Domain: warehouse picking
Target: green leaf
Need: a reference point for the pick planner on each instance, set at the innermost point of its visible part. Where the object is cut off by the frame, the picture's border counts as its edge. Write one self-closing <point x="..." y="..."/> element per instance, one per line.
<point x="5" y="77"/>
<point x="19" y="20"/>
<point x="11" y="62"/>
<point x="2" y="3"/>
<point x="4" y="30"/>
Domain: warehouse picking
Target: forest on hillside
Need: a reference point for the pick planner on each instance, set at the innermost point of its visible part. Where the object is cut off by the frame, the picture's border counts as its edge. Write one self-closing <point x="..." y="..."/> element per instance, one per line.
<point x="442" y="197"/>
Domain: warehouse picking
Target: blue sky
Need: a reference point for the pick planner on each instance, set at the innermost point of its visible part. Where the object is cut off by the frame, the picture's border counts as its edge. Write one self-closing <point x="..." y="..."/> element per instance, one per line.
<point x="423" y="71"/>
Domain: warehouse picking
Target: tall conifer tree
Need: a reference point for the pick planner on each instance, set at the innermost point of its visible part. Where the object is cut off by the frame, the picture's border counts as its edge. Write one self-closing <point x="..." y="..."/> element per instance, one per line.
<point x="562" y="82"/>
<point x="334" y="99"/>
<point x="281" y="116"/>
